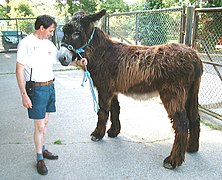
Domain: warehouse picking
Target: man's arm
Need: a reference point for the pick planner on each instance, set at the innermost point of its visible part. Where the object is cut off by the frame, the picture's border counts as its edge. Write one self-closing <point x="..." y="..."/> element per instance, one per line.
<point x="20" y="80"/>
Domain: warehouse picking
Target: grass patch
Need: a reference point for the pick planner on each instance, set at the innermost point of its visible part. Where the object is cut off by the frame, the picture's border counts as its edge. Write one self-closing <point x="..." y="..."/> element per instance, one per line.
<point x="210" y="125"/>
<point x="58" y="142"/>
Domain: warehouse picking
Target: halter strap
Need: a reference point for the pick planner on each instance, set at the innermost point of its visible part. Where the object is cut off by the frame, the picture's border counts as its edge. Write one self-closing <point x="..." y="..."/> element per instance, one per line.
<point x="81" y="49"/>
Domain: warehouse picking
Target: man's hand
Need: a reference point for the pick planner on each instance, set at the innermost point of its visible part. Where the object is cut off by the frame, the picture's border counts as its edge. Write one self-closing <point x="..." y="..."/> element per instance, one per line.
<point x="82" y="63"/>
<point x="27" y="103"/>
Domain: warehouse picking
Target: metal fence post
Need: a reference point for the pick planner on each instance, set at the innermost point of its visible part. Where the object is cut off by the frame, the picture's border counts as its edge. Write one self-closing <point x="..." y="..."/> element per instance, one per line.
<point x="195" y="28"/>
<point x="107" y="25"/>
<point x="137" y="29"/>
<point x="189" y="23"/>
<point x="182" y="25"/>
<point x="104" y="23"/>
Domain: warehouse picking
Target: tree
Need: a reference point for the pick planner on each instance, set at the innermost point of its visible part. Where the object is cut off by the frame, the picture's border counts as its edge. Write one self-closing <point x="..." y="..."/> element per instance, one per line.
<point x="152" y="27"/>
<point x="4" y="10"/>
<point x="73" y="6"/>
<point x="113" y="6"/>
<point x="20" y="8"/>
<point x="209" y="29"/>
<point x="209" y="3"/>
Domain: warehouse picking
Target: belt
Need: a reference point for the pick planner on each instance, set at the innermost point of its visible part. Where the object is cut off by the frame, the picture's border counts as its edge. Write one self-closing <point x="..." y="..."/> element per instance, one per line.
<point x="44" y="83"/>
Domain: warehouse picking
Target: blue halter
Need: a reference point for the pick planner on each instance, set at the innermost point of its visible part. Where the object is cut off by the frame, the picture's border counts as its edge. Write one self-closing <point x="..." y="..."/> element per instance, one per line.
<point x="81" y="49"/>
<point x="86" y="72"/>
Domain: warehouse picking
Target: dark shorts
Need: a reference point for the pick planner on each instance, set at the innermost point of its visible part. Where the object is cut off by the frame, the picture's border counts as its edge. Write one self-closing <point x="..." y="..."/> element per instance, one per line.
<point x="43" y="101"/>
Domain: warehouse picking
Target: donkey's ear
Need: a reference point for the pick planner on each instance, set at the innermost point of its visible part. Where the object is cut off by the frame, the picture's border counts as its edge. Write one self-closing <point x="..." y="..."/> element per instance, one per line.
<point x="93" y="17"/>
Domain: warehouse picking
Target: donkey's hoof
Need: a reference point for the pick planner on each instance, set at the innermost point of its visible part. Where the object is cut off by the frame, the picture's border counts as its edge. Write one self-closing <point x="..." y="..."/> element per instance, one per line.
<point x="93" y="138"/>
<point x="112" y="134"/>
<point x="167" y="164"/>
<point x="192" y="149"/>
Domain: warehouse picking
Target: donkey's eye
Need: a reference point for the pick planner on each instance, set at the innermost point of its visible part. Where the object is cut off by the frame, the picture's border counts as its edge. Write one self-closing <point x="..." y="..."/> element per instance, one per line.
<point x="75" y="35"/>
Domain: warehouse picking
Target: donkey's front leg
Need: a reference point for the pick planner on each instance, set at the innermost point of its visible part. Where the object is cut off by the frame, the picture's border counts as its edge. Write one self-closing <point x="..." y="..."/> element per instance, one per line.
<point x="103" y="114"/>
<point x="177" y="155"/>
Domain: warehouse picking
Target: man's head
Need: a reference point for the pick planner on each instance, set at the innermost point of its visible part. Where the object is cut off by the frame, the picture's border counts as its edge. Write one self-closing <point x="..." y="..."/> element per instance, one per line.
<point x="45" y="26"/>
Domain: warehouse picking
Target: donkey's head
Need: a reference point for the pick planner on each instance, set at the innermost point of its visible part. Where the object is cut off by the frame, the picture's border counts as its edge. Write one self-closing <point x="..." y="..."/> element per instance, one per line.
<point x="78" y="34"/>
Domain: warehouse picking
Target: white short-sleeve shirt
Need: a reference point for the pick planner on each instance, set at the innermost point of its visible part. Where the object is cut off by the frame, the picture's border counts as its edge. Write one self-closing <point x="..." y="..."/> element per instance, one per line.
<point x="38" y="54"/>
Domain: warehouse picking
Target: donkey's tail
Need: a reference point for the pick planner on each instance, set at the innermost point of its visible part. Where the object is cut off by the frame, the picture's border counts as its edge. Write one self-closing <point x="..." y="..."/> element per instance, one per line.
<point x="192" y="110"/>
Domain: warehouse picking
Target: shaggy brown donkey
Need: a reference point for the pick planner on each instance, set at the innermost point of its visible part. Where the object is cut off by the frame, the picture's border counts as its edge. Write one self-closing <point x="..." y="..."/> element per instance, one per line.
<point x="173" y="71"/>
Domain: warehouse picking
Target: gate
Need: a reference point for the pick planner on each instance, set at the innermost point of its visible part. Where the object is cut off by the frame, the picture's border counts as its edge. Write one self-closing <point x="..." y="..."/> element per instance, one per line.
<point x="199" y="28"/>
<point x="207" y="40"/>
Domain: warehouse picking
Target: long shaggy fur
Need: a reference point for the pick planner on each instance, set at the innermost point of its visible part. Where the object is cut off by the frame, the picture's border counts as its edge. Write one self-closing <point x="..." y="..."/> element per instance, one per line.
<point x="172" y="70"/>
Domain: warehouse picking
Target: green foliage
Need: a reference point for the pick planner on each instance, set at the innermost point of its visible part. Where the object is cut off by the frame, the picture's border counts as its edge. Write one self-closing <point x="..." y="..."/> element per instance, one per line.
<point x="87" y="5"/>
<point x="61" y="12"/>
<point x="20" y="8"/>
<point x="157" y="4"/>
<point x="27" y="26"/>
<point x="91" y="6"/>
<point x="152" y="26"/>
<point x="4" y="9"/>
<point x="209" y="3"/>
<point x="209" y="29"/>
<point x="113" y="6"/>
<point x="153" y="29"/>
<point x="123" y="26"/>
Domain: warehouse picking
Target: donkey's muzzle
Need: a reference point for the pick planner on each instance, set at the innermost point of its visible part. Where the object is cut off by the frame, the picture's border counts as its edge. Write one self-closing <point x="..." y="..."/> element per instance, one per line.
<point x="64" y="61"/>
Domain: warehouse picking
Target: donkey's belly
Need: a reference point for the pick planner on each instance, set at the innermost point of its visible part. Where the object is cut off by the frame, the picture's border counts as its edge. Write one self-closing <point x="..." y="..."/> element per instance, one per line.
<point x="144" y="96"/>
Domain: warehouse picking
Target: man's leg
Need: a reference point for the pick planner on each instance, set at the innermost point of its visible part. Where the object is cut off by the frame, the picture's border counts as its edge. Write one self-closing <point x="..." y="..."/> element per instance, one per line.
<point x="39" y="135"/>
<point x="44" y="132"/>
<point x="46" y="153"/>
<point x="39" y="140"/>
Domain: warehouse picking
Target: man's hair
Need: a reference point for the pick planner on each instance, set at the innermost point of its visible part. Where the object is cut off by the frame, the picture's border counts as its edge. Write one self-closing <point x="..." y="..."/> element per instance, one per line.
<point x="45" y="21"/>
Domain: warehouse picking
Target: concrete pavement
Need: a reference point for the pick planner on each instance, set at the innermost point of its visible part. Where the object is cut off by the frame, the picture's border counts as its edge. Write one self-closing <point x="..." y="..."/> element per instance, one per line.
<point x="137" y="153"/>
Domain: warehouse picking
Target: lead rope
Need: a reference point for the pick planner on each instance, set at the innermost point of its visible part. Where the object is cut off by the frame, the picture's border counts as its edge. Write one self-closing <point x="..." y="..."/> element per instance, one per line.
<point x="87" y="75"/>
<point x="86" y="72"/>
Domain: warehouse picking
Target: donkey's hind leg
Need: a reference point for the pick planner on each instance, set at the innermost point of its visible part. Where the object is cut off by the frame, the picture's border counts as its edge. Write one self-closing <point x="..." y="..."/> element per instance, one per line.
<point x="194" y="118"/>
<point x="177" y="155"/>
<point x="194" y="134"/>
<point x="115" y="111"/>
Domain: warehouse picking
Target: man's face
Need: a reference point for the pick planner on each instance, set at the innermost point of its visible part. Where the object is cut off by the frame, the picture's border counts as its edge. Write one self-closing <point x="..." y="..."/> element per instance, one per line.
<point x="47" y="33"/>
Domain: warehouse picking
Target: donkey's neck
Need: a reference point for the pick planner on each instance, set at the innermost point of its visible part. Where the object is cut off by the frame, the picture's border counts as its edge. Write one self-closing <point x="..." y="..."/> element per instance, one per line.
<point x="100" y="42"/>
<point x="100" y="38"/>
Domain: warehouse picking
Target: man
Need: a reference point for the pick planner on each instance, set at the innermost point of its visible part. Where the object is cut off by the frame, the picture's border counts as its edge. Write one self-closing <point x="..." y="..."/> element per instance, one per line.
<point x="35" y="58"/>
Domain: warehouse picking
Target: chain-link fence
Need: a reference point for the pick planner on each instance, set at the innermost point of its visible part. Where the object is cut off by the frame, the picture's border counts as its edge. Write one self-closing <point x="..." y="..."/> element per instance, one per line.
<point x="13" y="30"/>
<point x="208" y="41"/>
<point x="176" y="25"/>
<point x="145" y="27"/>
